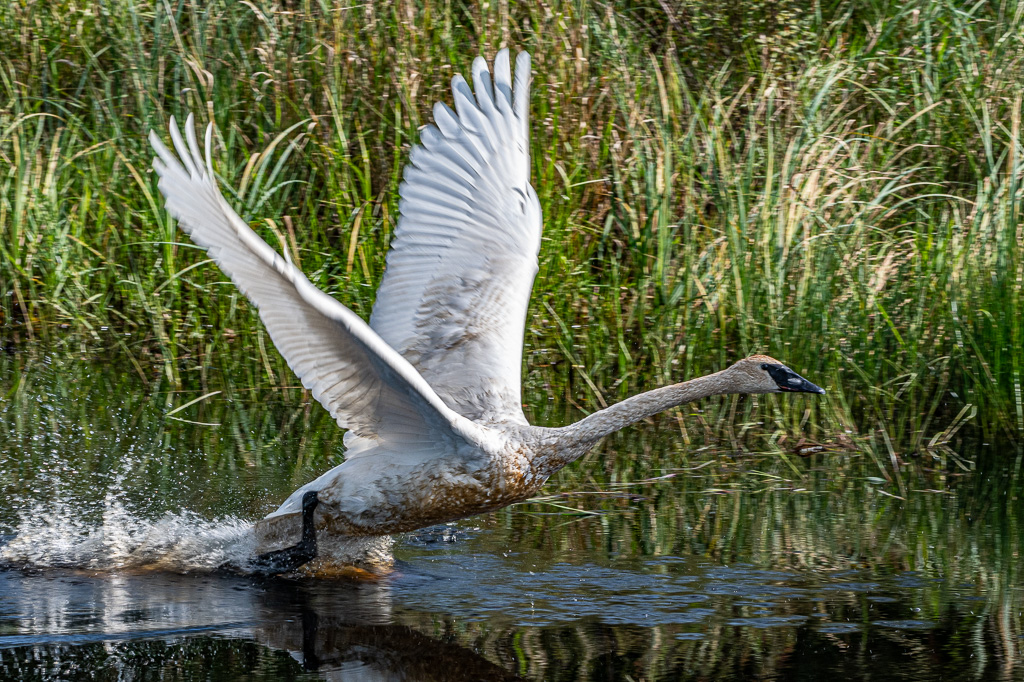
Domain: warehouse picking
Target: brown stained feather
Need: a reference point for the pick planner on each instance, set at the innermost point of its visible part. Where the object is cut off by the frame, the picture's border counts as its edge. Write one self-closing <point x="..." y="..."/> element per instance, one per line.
<point x="435" y="493"/>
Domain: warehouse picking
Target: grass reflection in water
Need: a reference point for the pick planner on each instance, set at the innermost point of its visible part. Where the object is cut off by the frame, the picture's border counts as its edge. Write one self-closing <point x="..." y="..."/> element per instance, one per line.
<point x="647" y="560"/>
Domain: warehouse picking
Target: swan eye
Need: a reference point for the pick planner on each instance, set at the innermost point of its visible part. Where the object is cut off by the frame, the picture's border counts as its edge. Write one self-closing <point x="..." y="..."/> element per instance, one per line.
<point x="764" y="366"/>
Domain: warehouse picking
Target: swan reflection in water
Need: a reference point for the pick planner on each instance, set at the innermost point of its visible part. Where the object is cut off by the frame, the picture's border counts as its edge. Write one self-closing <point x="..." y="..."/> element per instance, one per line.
<point x="429" y="389"/>
<point x="325" y="626"/>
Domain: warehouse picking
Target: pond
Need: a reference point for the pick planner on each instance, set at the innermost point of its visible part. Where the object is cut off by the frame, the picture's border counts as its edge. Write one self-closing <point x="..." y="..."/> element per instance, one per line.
<point x="648" y="560"/>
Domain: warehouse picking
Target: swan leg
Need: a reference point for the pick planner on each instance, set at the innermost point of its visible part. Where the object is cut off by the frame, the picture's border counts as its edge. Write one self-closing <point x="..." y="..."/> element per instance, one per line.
<point x="338" y="554"/>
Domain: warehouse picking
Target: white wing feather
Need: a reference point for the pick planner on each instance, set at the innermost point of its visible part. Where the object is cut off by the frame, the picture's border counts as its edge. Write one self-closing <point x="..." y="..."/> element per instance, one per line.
<point x="454" y="296"/>
<point x="365" y="385"/>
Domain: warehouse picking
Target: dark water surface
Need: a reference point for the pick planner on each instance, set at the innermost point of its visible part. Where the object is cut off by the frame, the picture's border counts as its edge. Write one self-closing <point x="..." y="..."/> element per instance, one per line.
<point x="648" y="560"/>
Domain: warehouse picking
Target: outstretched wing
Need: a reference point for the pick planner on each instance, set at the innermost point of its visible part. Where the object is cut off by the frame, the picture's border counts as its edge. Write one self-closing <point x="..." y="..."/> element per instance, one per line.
<point x="455" y="292"/>
<point x="364" y="383"/>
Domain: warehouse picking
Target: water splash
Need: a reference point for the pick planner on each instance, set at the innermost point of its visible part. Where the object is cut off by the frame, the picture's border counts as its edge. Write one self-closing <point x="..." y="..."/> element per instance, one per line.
<point x="61" y="535"/>
<point x="56" y="535"/>
<point x="92" y="476"/>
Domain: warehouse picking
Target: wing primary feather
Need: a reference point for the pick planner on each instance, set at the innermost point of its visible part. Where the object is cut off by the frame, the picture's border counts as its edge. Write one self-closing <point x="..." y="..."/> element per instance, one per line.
<point x="209" y="153"/>
<point x="521" y="94"/>
<point x="446" y="120"/>
<point x="482" y="85"/>
<point x="503" y="81"/>
<point x="181" y="149"/>
<point x="471" y="116"/>
<point x="193" y="145"/>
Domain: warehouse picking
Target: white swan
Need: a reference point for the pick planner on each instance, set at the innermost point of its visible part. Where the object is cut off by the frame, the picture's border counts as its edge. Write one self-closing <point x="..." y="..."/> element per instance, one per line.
<point x="429" y="390"/>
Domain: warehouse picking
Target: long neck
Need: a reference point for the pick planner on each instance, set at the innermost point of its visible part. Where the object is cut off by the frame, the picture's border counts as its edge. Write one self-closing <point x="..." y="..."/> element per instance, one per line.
<point x="593" y="428"/>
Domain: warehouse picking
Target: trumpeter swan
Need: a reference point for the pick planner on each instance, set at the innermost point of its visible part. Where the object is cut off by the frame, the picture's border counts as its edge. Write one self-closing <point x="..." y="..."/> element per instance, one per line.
<point x="428" y="390"/>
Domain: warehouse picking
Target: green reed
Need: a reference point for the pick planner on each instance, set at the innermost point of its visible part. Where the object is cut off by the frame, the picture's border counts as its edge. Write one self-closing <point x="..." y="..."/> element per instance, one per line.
<point x="839" y="186"/>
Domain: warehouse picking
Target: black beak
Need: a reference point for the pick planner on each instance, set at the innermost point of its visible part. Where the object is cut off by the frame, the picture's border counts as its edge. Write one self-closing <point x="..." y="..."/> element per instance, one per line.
<point x="804" y="386"/>
<point x="789" y="381"/>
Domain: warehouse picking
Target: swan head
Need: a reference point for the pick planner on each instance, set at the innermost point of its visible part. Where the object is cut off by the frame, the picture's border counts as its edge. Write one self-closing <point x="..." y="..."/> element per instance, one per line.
<point x="764" y="374"/>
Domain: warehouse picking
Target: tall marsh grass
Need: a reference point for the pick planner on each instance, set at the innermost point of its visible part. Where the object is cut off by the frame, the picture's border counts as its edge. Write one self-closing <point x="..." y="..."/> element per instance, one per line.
<point x="837" y="184"/>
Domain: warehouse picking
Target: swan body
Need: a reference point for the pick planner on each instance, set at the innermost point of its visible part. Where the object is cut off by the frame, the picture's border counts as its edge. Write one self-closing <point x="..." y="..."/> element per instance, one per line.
<point x="429" y="390"/>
